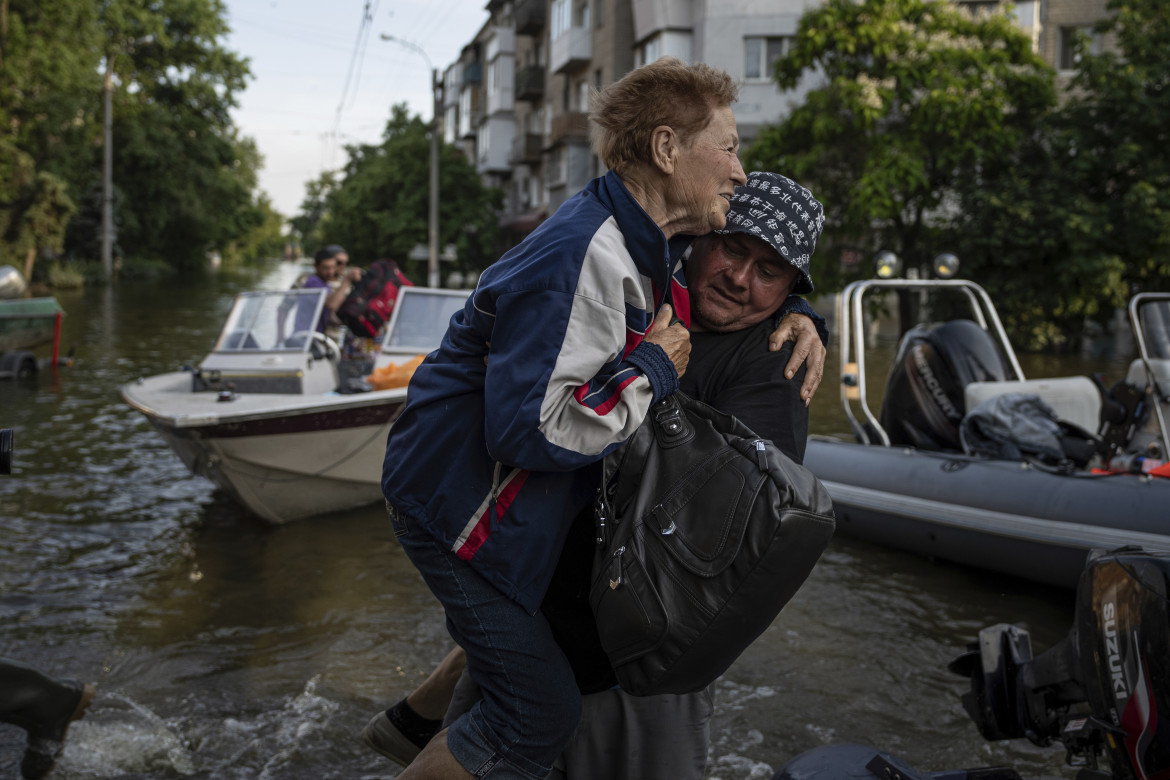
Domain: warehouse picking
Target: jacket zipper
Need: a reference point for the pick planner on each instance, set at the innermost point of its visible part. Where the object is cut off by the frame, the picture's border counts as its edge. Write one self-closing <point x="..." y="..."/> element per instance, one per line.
<point x="495" y="491"/>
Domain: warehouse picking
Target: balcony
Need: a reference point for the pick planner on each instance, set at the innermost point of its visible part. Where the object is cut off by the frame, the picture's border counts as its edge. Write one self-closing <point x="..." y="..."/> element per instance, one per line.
<point x="526" y="149"/>
<point x="574" y="124"/>
<point x="573" y="49"/>
<point x="530" y="16"/>
<point x="530" y="84"/>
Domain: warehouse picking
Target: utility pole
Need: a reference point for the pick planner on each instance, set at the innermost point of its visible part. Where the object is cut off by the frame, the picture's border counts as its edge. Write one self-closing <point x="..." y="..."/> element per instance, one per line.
<point x="108" y="172"/>
<point x="433" y="215"/>
<point x="433" y="258"/>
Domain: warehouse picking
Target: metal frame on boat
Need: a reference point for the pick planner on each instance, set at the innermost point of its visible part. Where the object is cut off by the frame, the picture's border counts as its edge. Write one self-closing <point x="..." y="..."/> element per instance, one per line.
<point x="1012" y="516"/>
<point x="263" y="416"/>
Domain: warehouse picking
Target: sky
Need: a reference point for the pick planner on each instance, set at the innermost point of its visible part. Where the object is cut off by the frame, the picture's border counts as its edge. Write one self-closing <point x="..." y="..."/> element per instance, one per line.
<point x="322" y="79"/>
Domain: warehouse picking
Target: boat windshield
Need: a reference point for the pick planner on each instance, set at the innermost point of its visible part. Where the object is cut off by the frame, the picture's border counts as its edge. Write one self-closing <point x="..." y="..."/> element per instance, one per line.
<point x="1154" y="315"/>
<point x="274" y="321"/>
<point x="420" y="319"/>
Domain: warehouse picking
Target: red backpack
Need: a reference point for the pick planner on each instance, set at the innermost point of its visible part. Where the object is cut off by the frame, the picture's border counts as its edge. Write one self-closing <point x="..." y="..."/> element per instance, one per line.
<point x="369" y="304"/>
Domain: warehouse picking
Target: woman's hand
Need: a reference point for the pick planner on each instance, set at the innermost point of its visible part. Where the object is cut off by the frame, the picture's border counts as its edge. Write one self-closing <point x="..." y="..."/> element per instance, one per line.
<point x="809" y="349"/>
<point x="674" y="339"/>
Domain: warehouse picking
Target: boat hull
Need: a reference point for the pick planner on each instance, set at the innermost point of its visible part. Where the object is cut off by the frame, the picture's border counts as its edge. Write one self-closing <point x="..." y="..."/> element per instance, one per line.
<point x="283" y="457"/>
<point x="1002" y="516"/>
<point x="27" y="322"/>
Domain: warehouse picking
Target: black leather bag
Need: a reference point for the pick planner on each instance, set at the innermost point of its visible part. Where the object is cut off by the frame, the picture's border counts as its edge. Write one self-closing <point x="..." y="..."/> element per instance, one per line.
<point x="705" y="531"/>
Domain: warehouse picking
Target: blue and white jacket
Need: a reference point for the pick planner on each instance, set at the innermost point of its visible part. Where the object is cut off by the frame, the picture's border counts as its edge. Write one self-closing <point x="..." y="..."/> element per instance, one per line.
<point x="496" y="460"/>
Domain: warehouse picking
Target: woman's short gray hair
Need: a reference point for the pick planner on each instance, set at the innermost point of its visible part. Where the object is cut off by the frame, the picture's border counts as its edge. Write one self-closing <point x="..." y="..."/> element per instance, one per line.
<point x="665" y="92"/>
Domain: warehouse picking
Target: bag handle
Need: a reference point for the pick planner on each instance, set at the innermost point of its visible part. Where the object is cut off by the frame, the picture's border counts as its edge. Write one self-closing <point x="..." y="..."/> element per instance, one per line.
<point x="672" y="427"/>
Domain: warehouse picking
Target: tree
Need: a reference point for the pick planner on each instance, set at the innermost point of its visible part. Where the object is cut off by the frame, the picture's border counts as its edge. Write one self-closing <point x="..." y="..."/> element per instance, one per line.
<point x="1116" y="135"/>
<point x="48" y="99"/>
<point x="379" y="207"/>
<point x="186" y="177"/>
<point x="917" y="97"/>
<point x="1081" y="219"/>
<point x="36" y="212"/>
<point x="304" y="225"/>
<point x="265" y="240"/>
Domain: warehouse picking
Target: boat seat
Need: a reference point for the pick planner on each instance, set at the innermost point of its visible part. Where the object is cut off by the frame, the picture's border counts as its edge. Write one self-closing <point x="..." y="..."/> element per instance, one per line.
<point x="1160" y="367"/>
<point x="1075" y="399"/>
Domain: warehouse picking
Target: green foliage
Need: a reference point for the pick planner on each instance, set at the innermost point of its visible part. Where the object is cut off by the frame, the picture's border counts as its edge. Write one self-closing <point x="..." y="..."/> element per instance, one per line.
<point x="264" y="241"/>
<point x="379" y="208"/>
<point x="185" y="181"/>
<point x="35" y="211"/>
<point x="66" y="276"/>
<point x="50" y="84"/>
<point x="1116" y="134"/>
<point x="1078" y="217"/>
<point x="304" y="225"/>
<point x="185" y="176"/>
<point x="916" y="98"/>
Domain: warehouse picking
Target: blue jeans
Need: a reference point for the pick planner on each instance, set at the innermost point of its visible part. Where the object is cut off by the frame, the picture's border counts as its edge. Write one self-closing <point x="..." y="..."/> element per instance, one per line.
<point x="530" y="704"/>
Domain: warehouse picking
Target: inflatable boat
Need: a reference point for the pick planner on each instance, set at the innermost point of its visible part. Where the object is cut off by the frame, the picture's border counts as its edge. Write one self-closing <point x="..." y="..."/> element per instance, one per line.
<point x="920" y="476"/>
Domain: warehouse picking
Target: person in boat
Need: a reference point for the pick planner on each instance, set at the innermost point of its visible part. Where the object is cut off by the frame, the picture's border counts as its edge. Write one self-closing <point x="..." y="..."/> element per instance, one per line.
<point x="331" y="271"/>
<point x="737" y="278"/>
<point x="42" y="705"/>
<point x="556" y="359"/>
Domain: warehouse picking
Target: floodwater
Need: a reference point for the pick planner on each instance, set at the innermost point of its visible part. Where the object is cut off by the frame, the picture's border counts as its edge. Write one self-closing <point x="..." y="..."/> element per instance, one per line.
<point x="226" y="648"/>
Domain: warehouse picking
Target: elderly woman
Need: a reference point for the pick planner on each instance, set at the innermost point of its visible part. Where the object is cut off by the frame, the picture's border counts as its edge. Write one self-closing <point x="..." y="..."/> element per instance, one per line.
<point x="555" y="360"/>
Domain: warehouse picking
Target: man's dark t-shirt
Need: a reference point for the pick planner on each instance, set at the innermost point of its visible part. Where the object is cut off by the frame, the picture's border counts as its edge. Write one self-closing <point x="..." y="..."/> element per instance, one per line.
<point x="736" y="374"/>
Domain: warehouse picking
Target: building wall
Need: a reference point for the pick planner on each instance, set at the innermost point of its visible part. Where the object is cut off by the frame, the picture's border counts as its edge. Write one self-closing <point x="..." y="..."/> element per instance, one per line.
<point x="722" y="31"/>
<point x="738" y="36"/>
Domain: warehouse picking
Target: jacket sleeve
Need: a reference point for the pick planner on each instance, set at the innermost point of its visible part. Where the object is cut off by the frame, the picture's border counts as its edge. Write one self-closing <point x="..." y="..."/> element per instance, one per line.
<point x="559" y="391"/>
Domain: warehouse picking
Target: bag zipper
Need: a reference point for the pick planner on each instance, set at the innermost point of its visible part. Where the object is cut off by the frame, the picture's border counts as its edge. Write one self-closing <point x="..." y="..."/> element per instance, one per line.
<point x="617" y="556"/>
<point x="685" y="479"/>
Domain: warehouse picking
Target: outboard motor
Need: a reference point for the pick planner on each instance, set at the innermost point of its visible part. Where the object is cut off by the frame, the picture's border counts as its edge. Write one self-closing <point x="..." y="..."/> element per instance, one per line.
<point x="1103" y="691"/>
<point x="924" y="405"/>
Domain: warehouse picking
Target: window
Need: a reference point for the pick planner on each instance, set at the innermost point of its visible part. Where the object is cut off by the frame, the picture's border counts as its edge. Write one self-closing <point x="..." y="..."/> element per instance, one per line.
<point x="760" y="54"/>
<point x="559" y="24"/>
<point x="581" y="18"/>
<point x="583" y="95"/>
<point x="979" y="8"/>
<point x="1070" y="55"/>
<point x="600" y="13"/>
<point x="649" y="51"/>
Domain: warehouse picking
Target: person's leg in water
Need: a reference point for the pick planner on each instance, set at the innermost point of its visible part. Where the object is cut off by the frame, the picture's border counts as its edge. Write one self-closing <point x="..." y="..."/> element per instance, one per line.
<point x="42" y="705"/>
<point x="402" y="731"/>
<point x="531" y="704"/>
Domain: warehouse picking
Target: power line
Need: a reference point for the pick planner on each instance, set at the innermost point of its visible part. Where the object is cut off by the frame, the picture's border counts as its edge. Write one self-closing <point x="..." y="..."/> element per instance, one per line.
<point x="354" y="61"/>
<point x="440" y="18"/>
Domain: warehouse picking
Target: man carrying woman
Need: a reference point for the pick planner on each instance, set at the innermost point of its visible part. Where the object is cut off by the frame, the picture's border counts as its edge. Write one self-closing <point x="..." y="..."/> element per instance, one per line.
<point x="556" y="359"/>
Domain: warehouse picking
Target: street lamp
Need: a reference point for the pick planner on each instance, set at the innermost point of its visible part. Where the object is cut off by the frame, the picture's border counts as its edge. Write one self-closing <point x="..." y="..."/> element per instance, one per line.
<point x="433" y="218"/>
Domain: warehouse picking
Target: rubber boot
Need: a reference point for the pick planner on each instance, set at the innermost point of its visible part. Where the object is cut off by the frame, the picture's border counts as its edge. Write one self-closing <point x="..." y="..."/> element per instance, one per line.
<point x="43" y="706"/>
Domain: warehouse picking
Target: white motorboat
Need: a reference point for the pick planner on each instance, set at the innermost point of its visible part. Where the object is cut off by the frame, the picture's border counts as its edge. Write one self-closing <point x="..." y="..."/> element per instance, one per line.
<point x="270" y="415"/>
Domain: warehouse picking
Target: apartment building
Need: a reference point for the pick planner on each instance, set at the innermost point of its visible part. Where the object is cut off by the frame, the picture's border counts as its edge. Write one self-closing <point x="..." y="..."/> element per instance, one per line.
<point x="517" y="99"/>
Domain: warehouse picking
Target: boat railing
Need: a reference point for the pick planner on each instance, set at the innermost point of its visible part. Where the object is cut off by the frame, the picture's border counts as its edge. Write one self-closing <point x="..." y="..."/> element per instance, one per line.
<point x="1160" y="393"/>
<point x="851" y="319"/>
